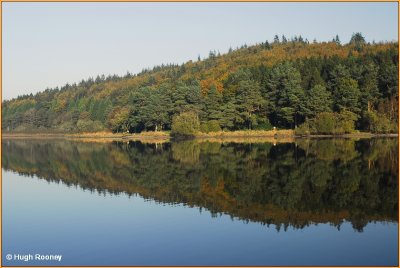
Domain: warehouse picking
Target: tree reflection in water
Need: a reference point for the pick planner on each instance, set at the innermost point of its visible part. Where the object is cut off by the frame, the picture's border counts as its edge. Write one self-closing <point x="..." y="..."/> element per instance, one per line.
<point x="287" y="184"/>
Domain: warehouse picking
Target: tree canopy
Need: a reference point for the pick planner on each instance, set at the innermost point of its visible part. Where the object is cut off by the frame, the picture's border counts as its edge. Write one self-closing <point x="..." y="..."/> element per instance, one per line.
<point x="282" y="83"/>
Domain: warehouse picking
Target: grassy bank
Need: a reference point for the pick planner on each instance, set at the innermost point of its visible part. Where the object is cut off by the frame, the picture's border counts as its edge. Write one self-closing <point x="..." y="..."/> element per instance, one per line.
<point x="284" y="135"/>
<point x="145" y="137"/>
<point x="153" y="137"/>
<point x="248" y="133"/>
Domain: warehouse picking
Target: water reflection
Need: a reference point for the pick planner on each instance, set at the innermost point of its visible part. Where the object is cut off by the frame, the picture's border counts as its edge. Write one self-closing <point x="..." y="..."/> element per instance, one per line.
<point x="288" y="184"/>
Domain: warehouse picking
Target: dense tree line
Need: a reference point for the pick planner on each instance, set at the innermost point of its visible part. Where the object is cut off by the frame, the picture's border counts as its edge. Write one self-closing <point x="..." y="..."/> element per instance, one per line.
<point x="310" y="181"/>
<point x="285" y="83"/>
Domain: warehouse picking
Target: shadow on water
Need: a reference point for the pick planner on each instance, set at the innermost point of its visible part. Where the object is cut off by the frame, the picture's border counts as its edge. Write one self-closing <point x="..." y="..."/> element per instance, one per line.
<point x="287" y="184"/>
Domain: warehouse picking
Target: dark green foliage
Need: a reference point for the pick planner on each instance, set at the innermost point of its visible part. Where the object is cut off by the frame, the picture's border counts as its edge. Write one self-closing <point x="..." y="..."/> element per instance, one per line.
<point x="249" y="102"/>
<point x="275" y="84"/>
<point x="263" y="124"/>
<point x="228" y="115"/>
<point x="151" y="109"/>
<point x="186" y="98"/>
<point x="358" y="40"/>
<point x="284" y="40"/>
<point x="337" y="40"/>
<point x="318" y="100"/>
<point x="99" y="109"/>
<point x="369" y="86"/>
<point x="344" y="89"/>
<point x="388" y="79"/>
<point x="213" y="102"/>
<point x="285" y="95"/>
<point x="276" y="39"/>
<point x="329" y="123"/>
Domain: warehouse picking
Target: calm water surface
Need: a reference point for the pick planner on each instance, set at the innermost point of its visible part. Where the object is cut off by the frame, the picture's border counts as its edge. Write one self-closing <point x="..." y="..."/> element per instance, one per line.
<point x="318" y="202"/>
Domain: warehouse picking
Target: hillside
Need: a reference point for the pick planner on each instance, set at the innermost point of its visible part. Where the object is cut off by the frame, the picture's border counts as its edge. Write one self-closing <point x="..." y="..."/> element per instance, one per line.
<point x="282" y="84"/>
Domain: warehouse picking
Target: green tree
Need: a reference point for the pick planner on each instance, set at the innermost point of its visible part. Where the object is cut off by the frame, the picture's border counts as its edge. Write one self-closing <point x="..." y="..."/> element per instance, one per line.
<point x="118" y="119"/>
<point x="325" y="123"/>
<point x="213" y="102"/>
<point x="276" y="39"/>
<point x="318" y="100"/>
<point x="185" y="124"/>
<point x="358" y="40"/>
<point x="210" y="126"/>
<point x="388" y="79"/>
<point x="345" y="90"/>
<point x="152" y="110"/>
<point x="378" y="123"/>
<point x="337" y="40"/>
<point x="186" y="98"/>
<point x="369" y="87"/>
<point x="286" y="97"/>
<point x="228" y="115"/>
<point x="248" y="103"/>
<point x="345" y="122"/>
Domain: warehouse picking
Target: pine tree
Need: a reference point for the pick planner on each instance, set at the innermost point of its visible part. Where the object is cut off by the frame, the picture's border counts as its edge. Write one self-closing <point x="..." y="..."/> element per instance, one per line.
<point x="276" y="39"/>
<point x="344" y="90"/>
<point x="318" y="100"/>
<point x="285" y="94"/>
<point x="213" y="104"/>
<point x="248" y="102"/>
<point x="337" y="40"/>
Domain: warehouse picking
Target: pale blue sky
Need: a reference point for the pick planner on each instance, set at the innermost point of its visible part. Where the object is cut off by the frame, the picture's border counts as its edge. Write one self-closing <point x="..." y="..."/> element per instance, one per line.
<point x="50" y="44"/>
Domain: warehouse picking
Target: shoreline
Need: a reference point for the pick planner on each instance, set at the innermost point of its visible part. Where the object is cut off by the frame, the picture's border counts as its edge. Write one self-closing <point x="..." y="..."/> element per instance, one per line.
<point x="222" y="136"/>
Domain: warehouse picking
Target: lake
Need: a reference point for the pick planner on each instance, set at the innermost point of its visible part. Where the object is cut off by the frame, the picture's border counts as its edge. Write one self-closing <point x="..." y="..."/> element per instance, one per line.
<point x="308" y="202"/>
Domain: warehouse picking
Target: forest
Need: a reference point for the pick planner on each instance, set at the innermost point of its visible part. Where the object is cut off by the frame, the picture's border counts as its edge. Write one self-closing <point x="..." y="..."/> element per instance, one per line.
<point x="287" y="184"/>
<point x="312" y="87"/>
